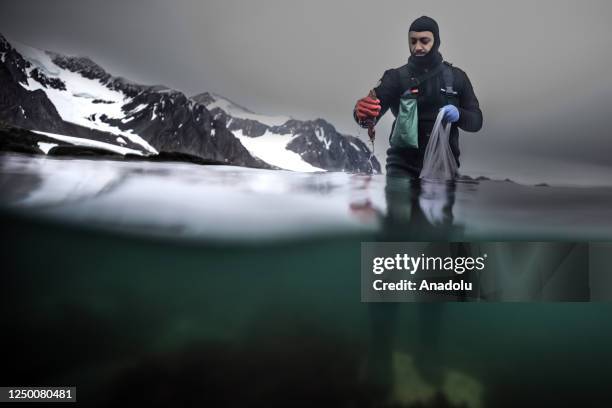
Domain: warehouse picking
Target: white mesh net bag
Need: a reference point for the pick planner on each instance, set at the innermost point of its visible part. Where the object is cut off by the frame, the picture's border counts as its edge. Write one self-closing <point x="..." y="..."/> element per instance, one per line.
<point x="439" y="163"/>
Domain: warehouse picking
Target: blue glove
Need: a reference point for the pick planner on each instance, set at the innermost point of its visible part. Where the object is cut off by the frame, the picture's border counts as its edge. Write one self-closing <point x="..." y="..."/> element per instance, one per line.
<point x="451" y="114"/>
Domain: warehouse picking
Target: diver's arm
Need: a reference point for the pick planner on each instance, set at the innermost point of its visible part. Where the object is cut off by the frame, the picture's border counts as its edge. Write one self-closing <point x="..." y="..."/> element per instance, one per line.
<point x="470" y="115"/>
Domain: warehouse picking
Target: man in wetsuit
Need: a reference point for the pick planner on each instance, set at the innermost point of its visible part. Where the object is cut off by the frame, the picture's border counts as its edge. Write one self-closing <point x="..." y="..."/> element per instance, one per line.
<point x="438" y="86"/>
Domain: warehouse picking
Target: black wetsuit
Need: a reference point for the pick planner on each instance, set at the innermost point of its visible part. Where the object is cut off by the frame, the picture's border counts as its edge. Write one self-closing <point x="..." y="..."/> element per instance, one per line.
<point x="409" y="161"/>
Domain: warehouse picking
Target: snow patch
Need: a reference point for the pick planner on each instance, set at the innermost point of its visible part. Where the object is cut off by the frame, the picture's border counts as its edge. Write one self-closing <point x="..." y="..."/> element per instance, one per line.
<point x="45" y="147"/>
<point x="272" y="148"/>
<point x="121" y="140"/>
<point x="79" y="141"/>
<point x="320" y="133"/>
<point x="139" y="108"/>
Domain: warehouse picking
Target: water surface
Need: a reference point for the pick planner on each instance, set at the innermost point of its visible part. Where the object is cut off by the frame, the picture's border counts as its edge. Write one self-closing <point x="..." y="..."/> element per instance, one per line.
<point x="178" y="284"/>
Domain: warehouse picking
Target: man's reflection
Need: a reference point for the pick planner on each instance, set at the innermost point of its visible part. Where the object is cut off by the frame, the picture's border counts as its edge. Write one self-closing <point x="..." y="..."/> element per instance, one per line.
<point x="422" y="211"/>
<point x="418" y="210"/>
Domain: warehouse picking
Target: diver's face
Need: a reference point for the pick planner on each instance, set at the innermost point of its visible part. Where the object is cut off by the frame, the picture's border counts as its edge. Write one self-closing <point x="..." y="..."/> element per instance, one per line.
<point x="420" y="42"/>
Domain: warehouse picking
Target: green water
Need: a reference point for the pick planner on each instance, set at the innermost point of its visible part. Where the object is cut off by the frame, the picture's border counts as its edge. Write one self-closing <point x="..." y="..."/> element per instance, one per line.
<point x="125" y="317"/>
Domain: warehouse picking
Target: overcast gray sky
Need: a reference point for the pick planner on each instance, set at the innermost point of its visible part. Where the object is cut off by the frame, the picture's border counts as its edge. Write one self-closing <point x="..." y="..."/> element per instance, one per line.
<point x="541" y="69"/>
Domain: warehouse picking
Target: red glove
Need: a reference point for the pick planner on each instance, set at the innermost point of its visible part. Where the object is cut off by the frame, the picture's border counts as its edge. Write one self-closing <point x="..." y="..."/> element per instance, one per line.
<point x="367" y="107"/>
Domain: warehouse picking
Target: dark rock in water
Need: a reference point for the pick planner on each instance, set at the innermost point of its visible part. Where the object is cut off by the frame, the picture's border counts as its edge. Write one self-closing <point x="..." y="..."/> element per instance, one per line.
<point x="81" y="151"/>
<point x="542" y="185"/>
<point x="464" y="178"/>
<point x="10" y="146"/>
<point x="16" y="140"/>
<point x="174" y="157"/>
<point x="13" y="139"/>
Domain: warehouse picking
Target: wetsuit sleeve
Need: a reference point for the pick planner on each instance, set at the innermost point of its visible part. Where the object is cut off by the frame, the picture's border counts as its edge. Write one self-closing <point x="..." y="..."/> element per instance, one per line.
<point x="470" y="115"/>
<point x="386" y="90"/>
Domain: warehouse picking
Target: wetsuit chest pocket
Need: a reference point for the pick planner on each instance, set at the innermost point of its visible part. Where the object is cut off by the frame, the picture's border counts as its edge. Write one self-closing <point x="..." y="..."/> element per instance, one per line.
<point x="406" y="130"/>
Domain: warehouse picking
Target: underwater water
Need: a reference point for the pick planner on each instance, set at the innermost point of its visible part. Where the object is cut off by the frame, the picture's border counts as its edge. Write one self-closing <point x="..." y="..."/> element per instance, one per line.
<point x="179" y="284"/>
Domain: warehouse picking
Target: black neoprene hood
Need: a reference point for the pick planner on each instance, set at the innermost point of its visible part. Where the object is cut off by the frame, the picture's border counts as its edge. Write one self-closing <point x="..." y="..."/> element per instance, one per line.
<point x="425" y="23"/>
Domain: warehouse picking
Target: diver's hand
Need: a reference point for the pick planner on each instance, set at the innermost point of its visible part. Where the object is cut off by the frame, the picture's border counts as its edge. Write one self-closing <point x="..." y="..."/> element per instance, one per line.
<point x="367" y="108"/>
<point x="451" y="114"/>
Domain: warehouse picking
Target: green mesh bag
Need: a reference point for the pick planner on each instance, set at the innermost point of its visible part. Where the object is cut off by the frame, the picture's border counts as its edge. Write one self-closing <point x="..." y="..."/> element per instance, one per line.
<point x="406" y="130"/>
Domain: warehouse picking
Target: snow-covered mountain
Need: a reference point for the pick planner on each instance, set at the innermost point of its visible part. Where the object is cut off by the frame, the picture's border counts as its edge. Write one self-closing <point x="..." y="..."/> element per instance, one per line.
<point x="290" y="143"/>
<point x="74" y="97"/>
